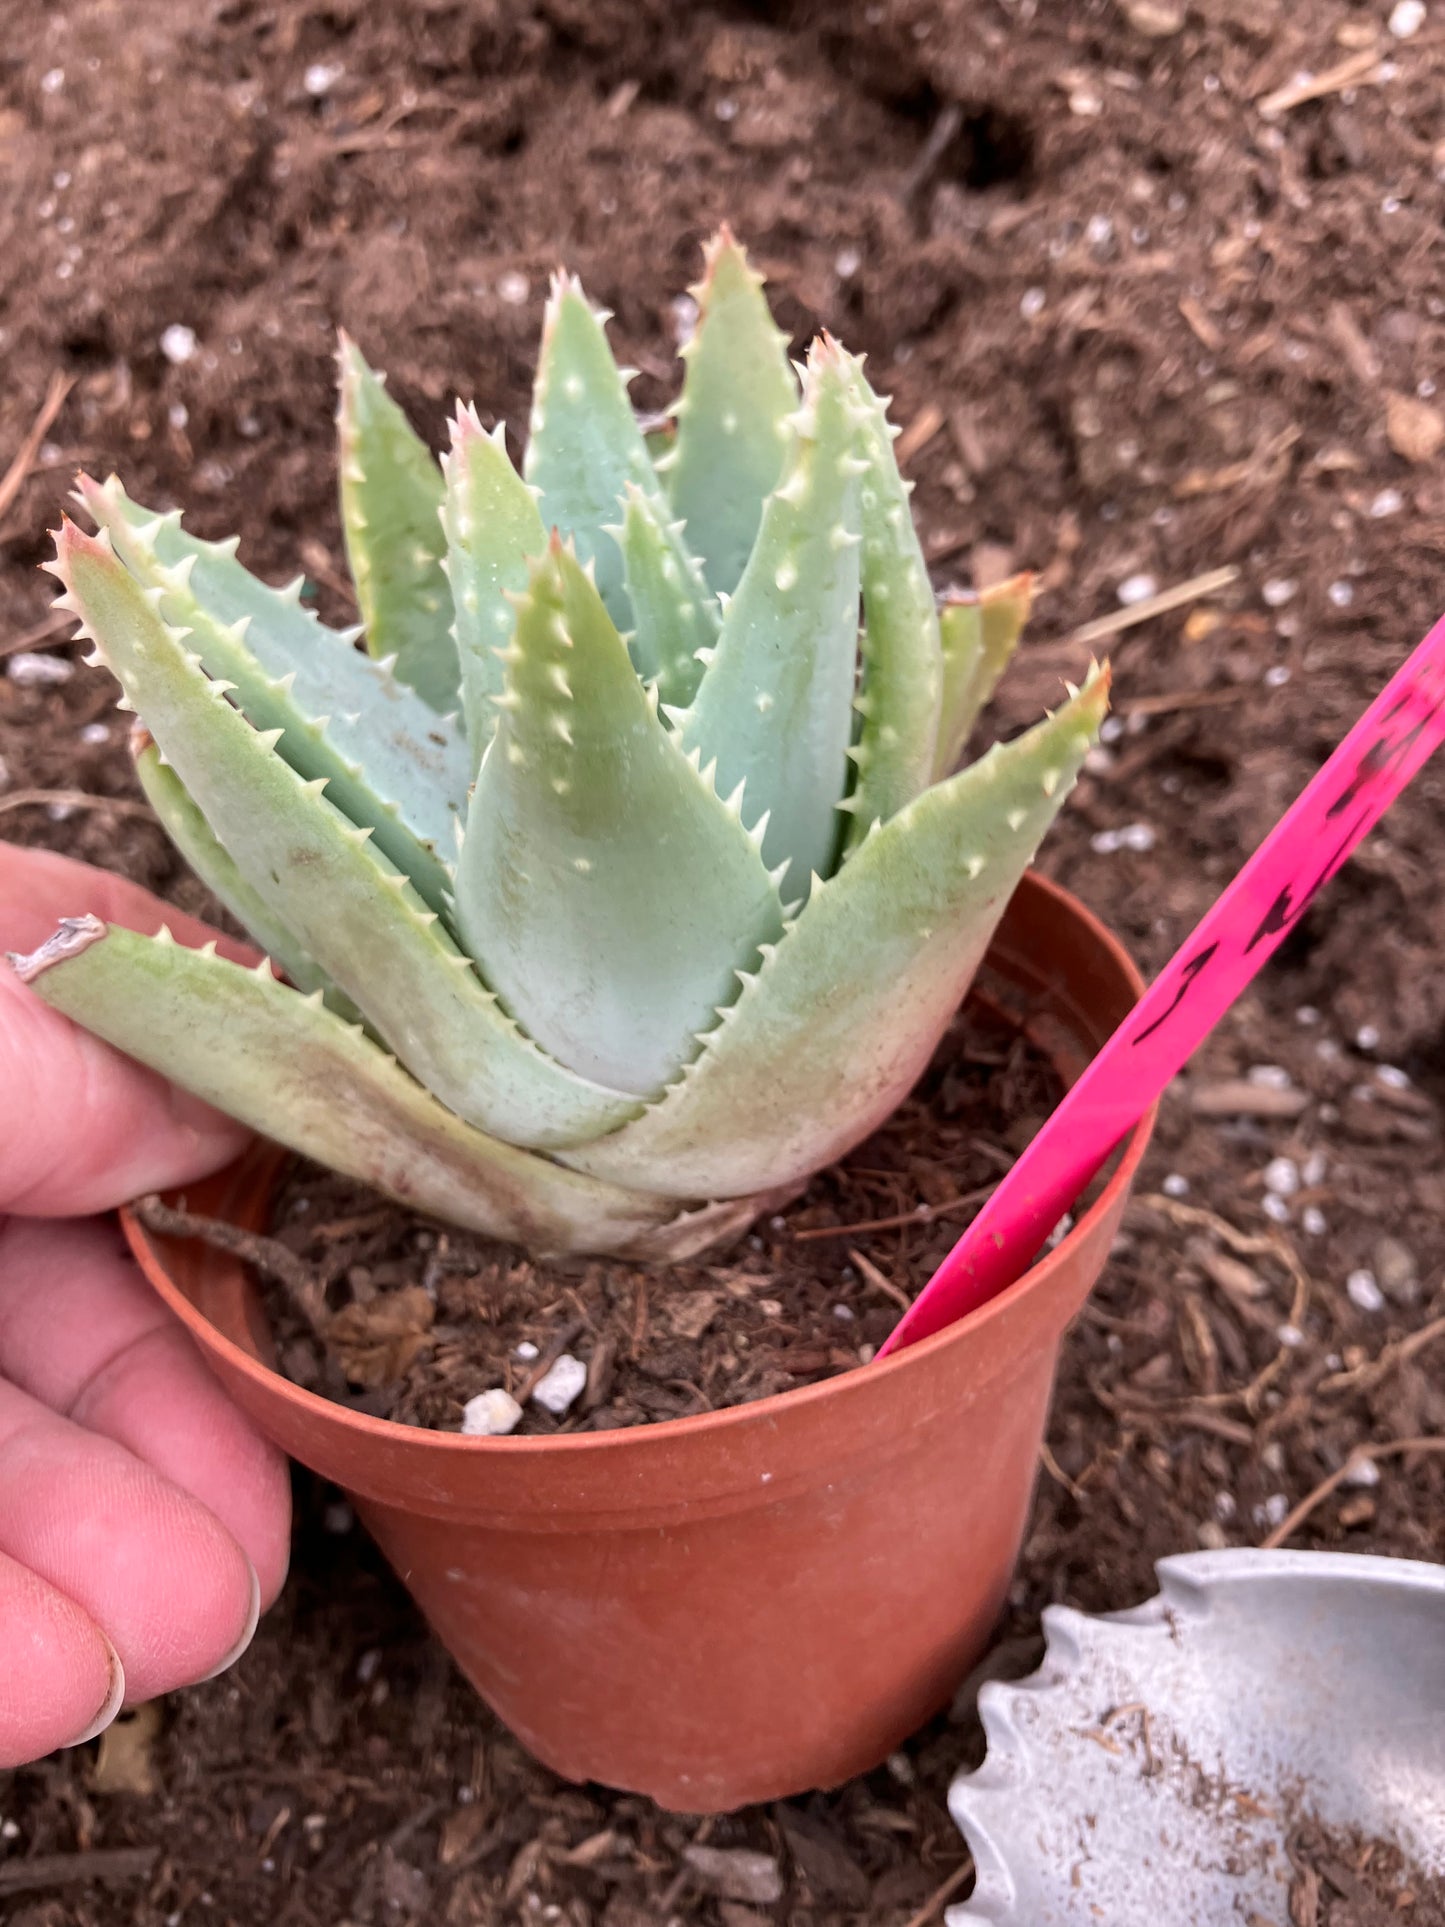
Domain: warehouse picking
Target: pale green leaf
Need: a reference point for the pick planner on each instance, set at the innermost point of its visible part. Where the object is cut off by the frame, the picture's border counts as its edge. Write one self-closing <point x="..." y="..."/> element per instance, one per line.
<point x="737" y="394"/>
<point x="360" y="921"/>
<point x="831" y="1033"/>
<point x="391" y="494"/>
<point x="775" y="704"/>
<point x="607" y="892"/>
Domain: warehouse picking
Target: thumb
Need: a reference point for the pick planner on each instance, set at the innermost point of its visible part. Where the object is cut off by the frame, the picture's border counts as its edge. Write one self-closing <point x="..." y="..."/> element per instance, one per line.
<point x="84" y="1127"/>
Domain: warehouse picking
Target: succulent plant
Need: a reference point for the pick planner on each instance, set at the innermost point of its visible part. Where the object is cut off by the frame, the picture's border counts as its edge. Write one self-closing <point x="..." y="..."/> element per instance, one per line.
<point x="622" y="884"/>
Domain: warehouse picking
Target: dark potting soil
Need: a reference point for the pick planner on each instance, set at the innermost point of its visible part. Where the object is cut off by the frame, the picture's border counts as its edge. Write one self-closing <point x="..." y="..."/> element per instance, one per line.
<point x="1343" y="1880"/>
<point x="417" y="1318"/>
<point x="1134" y="325"/>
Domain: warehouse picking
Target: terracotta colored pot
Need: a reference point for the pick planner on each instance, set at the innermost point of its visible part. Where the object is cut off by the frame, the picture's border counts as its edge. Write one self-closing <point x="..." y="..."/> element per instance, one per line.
<point x="743" y="1605"/>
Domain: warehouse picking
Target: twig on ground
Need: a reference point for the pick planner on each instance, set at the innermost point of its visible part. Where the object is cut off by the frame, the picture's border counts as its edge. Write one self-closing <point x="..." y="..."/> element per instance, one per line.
<point x="929" y="1910"/>
<point x="14" y="477"/>
<point x="1390" y="1448"/>
<point x="75" y="800"/>
<point x="1273" y="1245"/>
<point x="873" y="1276"/>
<point x="57" y="620"/>
<point x="1156" y="605"/>
<point x="1057" y="1473"/>
<point x="1359" y="70"/>
<point x="71" y="1869"/>
<point x="277" y="1260"/>
<point x="920" y="1214"/>
<point x="1365" y="1377"/>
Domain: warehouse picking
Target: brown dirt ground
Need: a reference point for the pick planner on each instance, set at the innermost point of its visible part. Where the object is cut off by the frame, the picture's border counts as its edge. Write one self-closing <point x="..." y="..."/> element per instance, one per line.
<point x="1162" y="330"/>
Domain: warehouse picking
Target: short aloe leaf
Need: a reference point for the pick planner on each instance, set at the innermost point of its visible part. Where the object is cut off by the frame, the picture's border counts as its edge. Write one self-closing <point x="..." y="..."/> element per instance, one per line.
<point x="391" y="495"/>
<point x="775" y="704"/>
<point x="673" y="614"/>
<point x="192" y="836"/>
<point x="829" y="1035"/>
<point x="492" y="527"/>
<point x="607" y="892"/>
<point x="391" y="765"/>
<point x="902" y="655"/>
<point x="359" y="920"/>
<point x="737" y="394"/>
<point x="293" y="1070"/>
<point x="979" y="635"/>
<point x="585" y="445"/>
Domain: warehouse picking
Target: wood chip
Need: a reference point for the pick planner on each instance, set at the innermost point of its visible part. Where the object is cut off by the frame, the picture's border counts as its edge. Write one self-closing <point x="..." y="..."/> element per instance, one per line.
<point x="918" y="434"/>
<point x="1360" y="69"/>
<point x="1237" y="1097"/>
<point x="1416" y="430"/>
<point x="737" y="1873"/>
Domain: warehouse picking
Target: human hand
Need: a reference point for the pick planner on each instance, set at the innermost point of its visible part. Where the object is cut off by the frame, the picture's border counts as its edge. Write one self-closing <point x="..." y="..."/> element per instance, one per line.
<point x="143" y="1524"/>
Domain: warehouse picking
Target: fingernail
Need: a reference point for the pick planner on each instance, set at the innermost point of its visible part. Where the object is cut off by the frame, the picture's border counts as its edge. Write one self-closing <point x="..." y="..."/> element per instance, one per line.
<point x="248" y="1633"/>
<point x="113" y="1701"/>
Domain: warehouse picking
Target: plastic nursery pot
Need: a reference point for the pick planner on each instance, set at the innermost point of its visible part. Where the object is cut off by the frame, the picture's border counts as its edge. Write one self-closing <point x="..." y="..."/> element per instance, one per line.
<point x="743" y="1605"/>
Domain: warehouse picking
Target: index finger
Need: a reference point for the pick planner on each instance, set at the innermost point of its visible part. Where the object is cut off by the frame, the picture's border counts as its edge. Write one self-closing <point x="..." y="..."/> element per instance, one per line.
<point x="85" y="1128"/>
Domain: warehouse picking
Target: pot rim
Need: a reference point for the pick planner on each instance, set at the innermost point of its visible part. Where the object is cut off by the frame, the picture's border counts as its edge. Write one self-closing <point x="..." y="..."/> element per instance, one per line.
<point x="659" y="1436"/>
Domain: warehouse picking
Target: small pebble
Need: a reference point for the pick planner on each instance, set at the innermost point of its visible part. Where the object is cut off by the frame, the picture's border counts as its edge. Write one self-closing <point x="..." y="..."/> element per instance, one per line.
<point x="1407" y="17"/>
<point x="1282" y="1176"/>
<point x="1279" y="590"/>
<point x="52" y="81"/>
<point x="1175" y="1185"/>
<point x="178" y="343"/>
<point x="1212" y="1536"/>
<point x="1277" y="675"/>
<point x="846" y="263"/>
<point x="1099" y="231"/>
<point x="33" y="671"/>
<point x="94" y="734"/>
<point x="1389" y="501"/>
<point x="1274" y="1511"/>
<point x="1032" y="303"/>
<point x="491" y="1415"/>
<point x="1365" y="1473"/>
<point x="1392" y="1077"/>
<point x="1367" y="1037"/>
<point x="1273" y="1456"/>
<point x="321" y="77"/>
<point x="1364" y="1291"/>
<point x="1275" y="1208"/>
<point x="368" y="1665"/>
<point x="1269" y="1077"/>
<point x="526" y="1351"/>
<point x="1341" y="594"/>
<point x="513" y="288"/>
<point x="1307" y="1017"/>
<point x="1291" y="1337"/>
<point x="1312" y="1220"/>
<point x="1137" y="588"/>
<point x="1314" y="1168"/>
<point x="844" y="1314"/>
<point x="1226" y="1506"/>
<point x="560" y="1385"/>
<point x="1397" y="1271"/>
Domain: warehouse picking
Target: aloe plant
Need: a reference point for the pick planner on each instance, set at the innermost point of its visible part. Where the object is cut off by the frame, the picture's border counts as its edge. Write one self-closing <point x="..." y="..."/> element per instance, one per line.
<point x="622" y="882"/>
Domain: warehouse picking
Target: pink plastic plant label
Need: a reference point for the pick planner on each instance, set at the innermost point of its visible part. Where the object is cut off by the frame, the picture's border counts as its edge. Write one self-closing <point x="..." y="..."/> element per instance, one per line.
<point x="1385" y="749"/>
